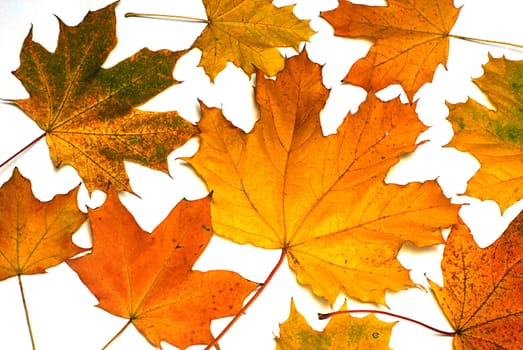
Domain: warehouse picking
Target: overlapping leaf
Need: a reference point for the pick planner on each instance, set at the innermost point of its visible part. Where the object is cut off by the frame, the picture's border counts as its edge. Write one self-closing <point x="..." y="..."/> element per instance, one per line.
<point x="495" y="138"/>
<point x="148" y="278"/>
<point x="482" y="296"/>
<point x="323" y="199"/>
<point x="341" y="333"/>
<point x="248" y="33"/>
<point x="35" y="235"/>
<point x="410" y="39"/>
<point x="88" y="112"/>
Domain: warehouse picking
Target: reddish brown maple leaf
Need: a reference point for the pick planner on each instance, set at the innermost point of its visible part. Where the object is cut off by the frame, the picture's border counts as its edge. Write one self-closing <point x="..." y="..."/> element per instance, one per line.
<point x="148" y="278"/>
<point x="482" y="294"/>
<point x="410" y="39"/>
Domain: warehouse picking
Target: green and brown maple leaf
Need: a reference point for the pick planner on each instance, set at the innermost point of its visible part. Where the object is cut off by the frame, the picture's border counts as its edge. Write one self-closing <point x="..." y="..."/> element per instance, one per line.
<point x="322" y="199"/>
<point x="89" y="113"/>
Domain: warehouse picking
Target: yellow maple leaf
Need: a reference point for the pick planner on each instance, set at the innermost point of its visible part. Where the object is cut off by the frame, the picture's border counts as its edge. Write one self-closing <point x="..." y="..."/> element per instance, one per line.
<point x="321" y="199"/>
<point x="247" y="33"/>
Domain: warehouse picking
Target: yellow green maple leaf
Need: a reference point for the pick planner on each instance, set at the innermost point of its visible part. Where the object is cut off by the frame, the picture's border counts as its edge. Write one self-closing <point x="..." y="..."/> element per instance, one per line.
<point x="341" y="333"/>
<point x="494" y="137"/>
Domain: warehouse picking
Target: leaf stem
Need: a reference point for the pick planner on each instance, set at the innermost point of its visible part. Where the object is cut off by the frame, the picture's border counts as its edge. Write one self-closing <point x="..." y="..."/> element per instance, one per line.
<point x="340" y="312"/>
<point x="23" y="149"/>
<point x="117" y="334"/>
<point x="26" y="311"/>
<point x="249" y="303"/>
<point x="173" y="17"/>
<point x="504" y="43"/>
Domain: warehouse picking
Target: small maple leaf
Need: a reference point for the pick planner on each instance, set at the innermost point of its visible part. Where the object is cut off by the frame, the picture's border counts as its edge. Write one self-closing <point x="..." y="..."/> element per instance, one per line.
<point x="247" y="33"/>
<point x="35" y="235"/>
<point x="88" y="112"/>
<point x="482" y="296"/>
<point x="410" y="39"/>
<point x="341" y="333"/>
<point x="495" y="138"/>
<point x="322" y="199"/>
<point x="148" y="278"/>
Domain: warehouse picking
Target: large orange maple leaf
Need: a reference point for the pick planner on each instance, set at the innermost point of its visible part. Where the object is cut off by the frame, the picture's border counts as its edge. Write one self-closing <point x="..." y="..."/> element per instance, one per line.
<point x="495" y="138"/>
<point x="410" y="39"/>
<point x="322" y="199"/>
<point x="35" y="235"/>
<point x="248" y="34"/>
<point x="88" y="113"/>
<point x="482" y="296"/>
<point x="148" y="278"/>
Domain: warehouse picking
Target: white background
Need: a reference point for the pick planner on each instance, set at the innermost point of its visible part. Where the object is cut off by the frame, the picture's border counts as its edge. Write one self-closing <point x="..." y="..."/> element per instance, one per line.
<point x="61" y="308"/>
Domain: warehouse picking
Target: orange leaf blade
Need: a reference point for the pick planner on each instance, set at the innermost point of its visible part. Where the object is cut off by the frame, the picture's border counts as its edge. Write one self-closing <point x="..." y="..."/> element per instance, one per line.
<point x="35" y="235"/>
<point x="148" y="278"/>
<point x="410" y="41"/>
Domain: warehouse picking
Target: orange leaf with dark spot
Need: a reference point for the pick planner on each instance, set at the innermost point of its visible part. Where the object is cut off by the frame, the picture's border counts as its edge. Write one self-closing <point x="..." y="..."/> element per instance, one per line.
<point x="410" y="39"/>
<point x="35" y="235"/>
<point x="148" y="278"/>
<point x="482" y="294"/>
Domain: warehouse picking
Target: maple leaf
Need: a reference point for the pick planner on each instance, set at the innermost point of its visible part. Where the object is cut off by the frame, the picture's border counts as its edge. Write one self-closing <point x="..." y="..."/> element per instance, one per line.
<point x="35" y="235"/>
<point x="322" y="199"/>
<point x="340" y="333"/>
<point x="495" y="138"/>
<point x="482" y="295"/>
<point x="247" y="33"/>
<point x="410" y="39"/>
<point x="88" y="112"/>
<point x="147" y="278"/>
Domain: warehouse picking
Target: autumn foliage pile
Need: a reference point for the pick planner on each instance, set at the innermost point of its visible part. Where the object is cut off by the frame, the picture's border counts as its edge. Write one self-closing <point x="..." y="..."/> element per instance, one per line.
<point x="321" y="200"/>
